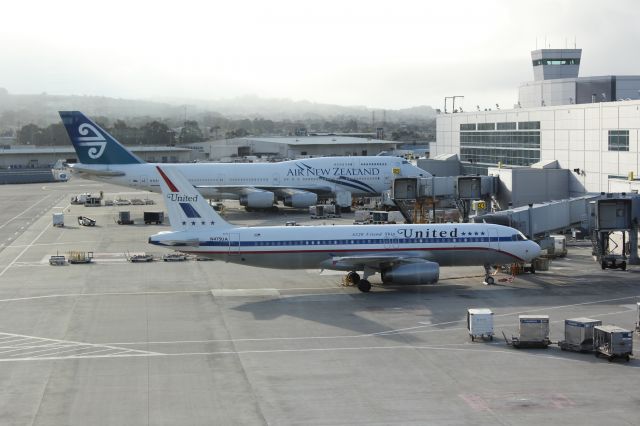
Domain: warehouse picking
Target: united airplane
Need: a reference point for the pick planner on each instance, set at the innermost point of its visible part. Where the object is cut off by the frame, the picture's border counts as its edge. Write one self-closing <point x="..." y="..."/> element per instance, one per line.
<point x="297" y="183"/>
<point x="402" y="254"/>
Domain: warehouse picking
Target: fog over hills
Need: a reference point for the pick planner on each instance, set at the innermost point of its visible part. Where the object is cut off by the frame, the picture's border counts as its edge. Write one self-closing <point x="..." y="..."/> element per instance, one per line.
<point x="41" y="109"/>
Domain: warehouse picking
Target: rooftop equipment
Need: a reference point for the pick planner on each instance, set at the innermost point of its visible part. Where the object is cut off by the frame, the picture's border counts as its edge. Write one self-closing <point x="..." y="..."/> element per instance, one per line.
<point x="578" y="334"/>
<point x="612" y="342"/>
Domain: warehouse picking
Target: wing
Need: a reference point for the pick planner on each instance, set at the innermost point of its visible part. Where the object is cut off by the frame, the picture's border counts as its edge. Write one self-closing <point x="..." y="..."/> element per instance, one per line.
<point x="77" y="168"/>
<point x="376" y="262"/>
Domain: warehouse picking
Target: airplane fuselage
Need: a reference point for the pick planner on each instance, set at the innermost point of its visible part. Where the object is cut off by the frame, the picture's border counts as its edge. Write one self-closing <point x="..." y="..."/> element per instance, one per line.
<point x="304" y="247"/>
<point x="361" y="176"/>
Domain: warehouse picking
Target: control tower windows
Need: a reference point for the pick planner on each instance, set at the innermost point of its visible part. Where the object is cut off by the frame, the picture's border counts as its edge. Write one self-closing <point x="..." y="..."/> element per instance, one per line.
<point x="573" y="61"/>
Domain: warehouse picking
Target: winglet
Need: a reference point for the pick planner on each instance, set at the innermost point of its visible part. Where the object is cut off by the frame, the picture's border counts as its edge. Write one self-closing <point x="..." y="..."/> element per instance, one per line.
<point x="188" y="209"/>
<point x="93" y="144"/>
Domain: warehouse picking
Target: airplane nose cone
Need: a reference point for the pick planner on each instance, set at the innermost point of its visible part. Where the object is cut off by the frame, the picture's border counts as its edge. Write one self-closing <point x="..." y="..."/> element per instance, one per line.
<point x="533" y="250"/>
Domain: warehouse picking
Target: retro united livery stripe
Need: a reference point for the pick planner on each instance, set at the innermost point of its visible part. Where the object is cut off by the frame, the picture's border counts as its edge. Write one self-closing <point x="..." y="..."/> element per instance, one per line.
<point x="170" y="184"/>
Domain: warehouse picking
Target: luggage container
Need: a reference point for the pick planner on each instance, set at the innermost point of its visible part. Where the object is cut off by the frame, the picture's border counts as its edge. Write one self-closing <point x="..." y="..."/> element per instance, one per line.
<point x="58" y="219"/>
<point x="57" y="260"/>
<point x="317" y="211"/>
<point x="124" y="218"/>
<point x="578" y="334"/>
<point x="534" y="332"/>
<point x="480" y="323"/>
<point x="361" y="217"/>
<point x="612" y="342"/>
<point x="93" y="201"/>
<point x="153" y="217"/>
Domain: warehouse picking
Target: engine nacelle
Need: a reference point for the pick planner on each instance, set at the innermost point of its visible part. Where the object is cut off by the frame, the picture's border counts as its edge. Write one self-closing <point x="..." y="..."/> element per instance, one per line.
<point x="300" y="199"/>
<point x="258" y="200"/>
<point x="413" y="274"/>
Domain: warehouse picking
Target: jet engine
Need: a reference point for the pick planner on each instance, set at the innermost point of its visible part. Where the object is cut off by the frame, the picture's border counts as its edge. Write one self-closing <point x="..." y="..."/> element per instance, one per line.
<point x="412" y="274"/>
<point x="258" y="199"/>
<point x="300" y="199"/>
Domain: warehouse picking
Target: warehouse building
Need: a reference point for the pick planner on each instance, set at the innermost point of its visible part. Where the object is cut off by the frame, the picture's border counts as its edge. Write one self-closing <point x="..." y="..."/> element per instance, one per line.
<point x="290" y="147"/>
<point x="22" y="157"/>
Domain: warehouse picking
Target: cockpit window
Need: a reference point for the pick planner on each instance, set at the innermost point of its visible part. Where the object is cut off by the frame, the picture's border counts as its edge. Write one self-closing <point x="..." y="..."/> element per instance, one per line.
<point x="518" y="237"/>
<point x="405" y="162"/>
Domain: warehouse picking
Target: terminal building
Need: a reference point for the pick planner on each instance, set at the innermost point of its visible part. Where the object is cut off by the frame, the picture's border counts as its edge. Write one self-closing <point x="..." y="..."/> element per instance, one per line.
<point x="588" y="125"/>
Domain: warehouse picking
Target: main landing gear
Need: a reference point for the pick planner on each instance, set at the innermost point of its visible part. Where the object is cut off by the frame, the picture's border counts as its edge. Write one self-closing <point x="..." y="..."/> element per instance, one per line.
<point x="488" y="279"/>
<point x="354" y="279"/>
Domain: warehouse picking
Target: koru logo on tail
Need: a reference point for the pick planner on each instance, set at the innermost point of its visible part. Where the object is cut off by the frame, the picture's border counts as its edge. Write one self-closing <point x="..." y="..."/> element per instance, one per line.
<point x="96" y="142"/>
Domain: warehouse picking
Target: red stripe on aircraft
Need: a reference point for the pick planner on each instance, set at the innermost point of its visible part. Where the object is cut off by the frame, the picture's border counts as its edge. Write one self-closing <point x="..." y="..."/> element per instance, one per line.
<point x="170" y="184"/>
<point x="233" y="251"/>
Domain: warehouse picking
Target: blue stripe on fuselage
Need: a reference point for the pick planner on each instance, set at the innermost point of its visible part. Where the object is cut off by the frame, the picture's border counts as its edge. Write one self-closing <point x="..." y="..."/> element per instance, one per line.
<point x="363" y="242"/>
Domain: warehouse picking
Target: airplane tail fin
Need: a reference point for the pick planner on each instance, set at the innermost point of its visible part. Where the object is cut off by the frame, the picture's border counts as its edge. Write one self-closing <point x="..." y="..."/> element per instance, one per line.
<point x="93" y="144"/>
<point x="188" y="209"/>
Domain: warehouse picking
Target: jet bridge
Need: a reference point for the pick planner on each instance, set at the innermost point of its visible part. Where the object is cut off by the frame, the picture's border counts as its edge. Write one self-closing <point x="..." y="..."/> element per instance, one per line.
<point x="415" y="196"/>
<point x="602" y="217"/>
<point x="605" y="218"/>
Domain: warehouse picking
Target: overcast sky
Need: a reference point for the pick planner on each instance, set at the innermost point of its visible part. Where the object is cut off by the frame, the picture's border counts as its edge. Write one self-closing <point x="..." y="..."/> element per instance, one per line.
<point x="382" y="54"/>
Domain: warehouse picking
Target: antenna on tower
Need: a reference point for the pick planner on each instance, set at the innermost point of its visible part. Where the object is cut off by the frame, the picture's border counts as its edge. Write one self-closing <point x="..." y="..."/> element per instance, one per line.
<point x="575" y="45"/>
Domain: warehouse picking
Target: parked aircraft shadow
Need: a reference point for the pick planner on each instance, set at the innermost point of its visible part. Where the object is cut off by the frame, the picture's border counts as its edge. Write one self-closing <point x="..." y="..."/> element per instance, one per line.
<point x="401" y="313"/>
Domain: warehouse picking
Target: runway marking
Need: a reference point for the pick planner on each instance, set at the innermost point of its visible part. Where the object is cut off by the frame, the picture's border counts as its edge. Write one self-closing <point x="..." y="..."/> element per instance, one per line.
<point x="36" y="348"/>
<point x="54" y="244"/>
<point x="469" y="349"/>
<point x="26" y="210"/>
<point x="132" y="293"/>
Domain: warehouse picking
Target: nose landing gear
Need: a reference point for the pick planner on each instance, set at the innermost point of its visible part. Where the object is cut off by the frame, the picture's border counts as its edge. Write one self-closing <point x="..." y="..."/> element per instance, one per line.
<point x="488" y="279"/>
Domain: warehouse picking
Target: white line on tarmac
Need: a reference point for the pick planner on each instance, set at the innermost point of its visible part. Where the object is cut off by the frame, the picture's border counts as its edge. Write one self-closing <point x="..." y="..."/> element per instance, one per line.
<point x="408" y="330"/>
<point x="66" y="342"/>
<point x="26" y="248"/>
<point x="133" y="293"/>
<point x="24" y="211"/>
<point x="468" y="349"/>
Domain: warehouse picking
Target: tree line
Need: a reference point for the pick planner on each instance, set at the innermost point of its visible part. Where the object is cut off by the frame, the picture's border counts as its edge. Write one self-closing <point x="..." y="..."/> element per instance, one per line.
<point x="138" y="131"/>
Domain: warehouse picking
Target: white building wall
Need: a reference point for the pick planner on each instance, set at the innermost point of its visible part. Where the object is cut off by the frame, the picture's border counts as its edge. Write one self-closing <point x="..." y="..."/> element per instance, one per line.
<point x="574" y="135"/>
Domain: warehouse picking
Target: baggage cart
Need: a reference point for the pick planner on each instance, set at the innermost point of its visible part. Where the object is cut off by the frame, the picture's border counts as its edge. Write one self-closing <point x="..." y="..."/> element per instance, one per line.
<point x="480" y="323"/>
<point x="612" y="342"/>
<point x="317" y="212"/>
<point x="57" y="260"/>
<point x="174" y="257"/>
<point x="578" y="334"/>
<point x="140" y="258"/>
<point x="58" y="219"/>
<point x="77" y="257"/>
<point x="153" y="217"/>
<point x="533" y="332"/>
<point x="124" y="218"/>
<point x="86" y="221"/>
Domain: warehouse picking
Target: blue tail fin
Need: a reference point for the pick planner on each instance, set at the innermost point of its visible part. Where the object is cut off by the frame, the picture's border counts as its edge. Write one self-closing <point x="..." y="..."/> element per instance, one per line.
<point x="92" y="143"/>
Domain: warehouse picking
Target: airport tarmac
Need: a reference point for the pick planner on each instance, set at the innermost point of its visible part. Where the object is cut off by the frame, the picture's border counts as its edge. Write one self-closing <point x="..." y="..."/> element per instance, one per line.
<point x="201" y="343"/>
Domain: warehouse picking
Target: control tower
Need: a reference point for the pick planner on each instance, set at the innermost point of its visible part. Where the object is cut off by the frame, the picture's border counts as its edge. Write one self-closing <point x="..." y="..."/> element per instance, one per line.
<point x="549" y="64"/>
